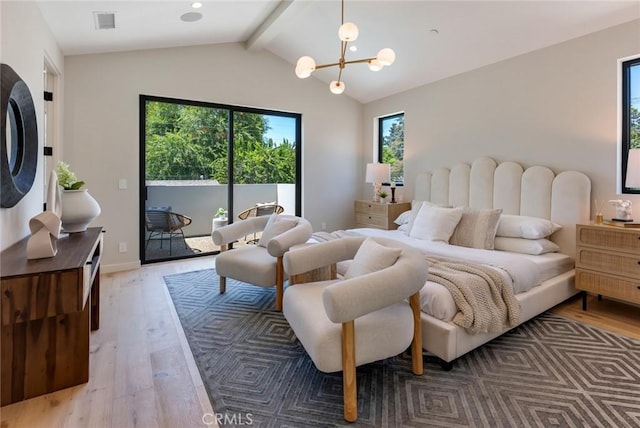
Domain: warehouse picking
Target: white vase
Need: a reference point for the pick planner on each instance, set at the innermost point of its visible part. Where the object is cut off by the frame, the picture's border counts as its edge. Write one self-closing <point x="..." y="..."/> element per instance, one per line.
<point x="79" y="209"/>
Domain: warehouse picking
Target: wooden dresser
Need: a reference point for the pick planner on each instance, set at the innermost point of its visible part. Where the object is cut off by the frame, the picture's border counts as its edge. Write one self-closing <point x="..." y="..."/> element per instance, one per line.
<point x="378" y="215"/>
<point x="48" y="308"/>
<point x="608" y="262"/>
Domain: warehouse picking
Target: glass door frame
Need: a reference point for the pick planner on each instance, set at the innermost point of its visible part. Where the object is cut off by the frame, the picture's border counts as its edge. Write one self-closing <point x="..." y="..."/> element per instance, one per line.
<point x="143" y="99"/>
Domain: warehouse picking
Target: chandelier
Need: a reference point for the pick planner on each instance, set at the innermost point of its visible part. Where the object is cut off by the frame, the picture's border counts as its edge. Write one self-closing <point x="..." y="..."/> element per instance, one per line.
<point x="348" y="32"/>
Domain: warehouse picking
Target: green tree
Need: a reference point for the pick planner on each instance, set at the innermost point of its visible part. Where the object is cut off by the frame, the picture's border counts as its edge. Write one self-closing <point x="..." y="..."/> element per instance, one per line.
<point x="187" y="142"/>
<point x="393" y="148"/>
<point x="634" y="128"/>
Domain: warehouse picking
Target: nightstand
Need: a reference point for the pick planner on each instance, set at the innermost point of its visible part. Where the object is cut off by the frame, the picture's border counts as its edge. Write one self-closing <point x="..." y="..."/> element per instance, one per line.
<point x="378" y="215"/>
<point x="608" y="262"/>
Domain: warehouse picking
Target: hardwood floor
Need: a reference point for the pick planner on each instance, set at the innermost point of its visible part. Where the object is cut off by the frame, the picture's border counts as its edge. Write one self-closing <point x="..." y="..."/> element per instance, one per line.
<point x="606" y="314"/>
<point x="142" y="373"/>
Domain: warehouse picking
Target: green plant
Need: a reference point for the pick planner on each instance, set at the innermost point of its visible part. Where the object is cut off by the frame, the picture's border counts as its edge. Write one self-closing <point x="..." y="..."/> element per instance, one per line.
<point x="221" y="212"/>
<point x="66" y="178"/>
<point x="383" y="194"/>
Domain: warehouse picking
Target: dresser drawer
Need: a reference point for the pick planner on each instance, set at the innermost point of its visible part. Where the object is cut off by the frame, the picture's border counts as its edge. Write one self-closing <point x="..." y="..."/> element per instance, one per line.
<point x="609" y="238"/>
<point x="368" y="220"/>
<point x="623" y="264"/>
<point x="608" y="285"/>
<point x="371" y="208"/>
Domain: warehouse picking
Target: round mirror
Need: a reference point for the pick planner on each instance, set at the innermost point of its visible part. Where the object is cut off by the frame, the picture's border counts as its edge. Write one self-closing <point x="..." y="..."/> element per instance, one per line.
<point x="19" y="134"/>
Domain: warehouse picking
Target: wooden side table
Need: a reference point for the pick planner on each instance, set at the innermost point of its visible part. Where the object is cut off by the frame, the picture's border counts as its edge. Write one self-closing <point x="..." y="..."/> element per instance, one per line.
<point x="378" y="215"/>
<point x="608" y="262"/>
<point x="48" y="308"/>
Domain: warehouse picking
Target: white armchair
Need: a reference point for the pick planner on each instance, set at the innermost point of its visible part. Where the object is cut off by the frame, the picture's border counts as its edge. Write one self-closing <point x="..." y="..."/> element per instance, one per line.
<point x="259" y="264"/>
<point x="346" y="323"/>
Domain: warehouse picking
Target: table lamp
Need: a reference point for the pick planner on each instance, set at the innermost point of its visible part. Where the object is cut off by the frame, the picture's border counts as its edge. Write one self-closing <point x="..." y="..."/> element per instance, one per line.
<point x="377" y="173"/>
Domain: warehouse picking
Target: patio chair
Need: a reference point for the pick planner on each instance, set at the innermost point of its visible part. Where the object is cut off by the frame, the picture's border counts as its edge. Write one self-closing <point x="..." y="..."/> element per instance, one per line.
<point x="260" y="210"/>
<point x="257" y="211"/>
<point x="159" y="222"/>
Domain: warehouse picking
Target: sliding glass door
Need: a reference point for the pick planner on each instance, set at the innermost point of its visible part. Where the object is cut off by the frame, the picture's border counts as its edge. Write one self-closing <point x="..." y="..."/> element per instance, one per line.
<point x="203" y="164"/>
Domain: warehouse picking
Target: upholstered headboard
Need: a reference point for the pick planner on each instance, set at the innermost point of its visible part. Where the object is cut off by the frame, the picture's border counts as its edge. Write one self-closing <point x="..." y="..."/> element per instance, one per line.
<point x="538" y="192"/>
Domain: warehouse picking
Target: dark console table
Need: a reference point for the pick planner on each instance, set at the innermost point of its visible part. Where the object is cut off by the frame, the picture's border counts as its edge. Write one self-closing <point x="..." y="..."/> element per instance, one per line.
<point x="48" y="308"/>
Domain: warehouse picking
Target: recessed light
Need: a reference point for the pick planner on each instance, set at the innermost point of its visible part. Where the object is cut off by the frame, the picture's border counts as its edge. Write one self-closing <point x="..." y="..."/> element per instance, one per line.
<point x="353" y="48"/>
<point x="191" y="16"/>
<point x="196" y="5"/>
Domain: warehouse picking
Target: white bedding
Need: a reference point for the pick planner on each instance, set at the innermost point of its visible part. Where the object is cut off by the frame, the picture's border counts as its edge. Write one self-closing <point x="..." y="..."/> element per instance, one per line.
<point x="523" y="271"/>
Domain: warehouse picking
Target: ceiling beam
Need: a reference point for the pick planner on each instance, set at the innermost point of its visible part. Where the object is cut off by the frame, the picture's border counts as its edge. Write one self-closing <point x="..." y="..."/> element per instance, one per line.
<point x="274" y="23"/>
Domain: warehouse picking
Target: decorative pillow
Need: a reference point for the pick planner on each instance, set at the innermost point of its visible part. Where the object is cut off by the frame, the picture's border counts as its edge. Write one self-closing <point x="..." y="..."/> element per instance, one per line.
<point x="525" y="246"/>
<point x="372" y="257"/>
<point x="435" y="223"/>
<point x="404" y="228"/>
<point x="476" y="229"/>
<point x="415" y="208"/>
<point x="521" y="226"/>
<point x="403" y="218"/>
<point x="275" y="226"/>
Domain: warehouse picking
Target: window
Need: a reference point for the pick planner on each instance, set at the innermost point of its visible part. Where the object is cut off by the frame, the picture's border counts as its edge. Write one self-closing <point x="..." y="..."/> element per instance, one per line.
<point x="630" y="109"/>
<point x="391" y="145"/>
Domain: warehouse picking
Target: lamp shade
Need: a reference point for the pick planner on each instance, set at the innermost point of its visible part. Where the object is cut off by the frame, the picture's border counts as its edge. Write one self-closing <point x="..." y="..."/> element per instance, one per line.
<point x="386" y="56"/>
<point x="633" y="169"/>
<point x="336" y="87"/>
<point x="374" y="65"/>
<point x="348" y="32"/>
<point x="378" y="173"/>
<point x="305" y="66"/>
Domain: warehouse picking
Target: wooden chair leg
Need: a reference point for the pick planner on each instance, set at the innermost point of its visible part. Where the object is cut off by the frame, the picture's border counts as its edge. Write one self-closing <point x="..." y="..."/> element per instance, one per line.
<point x="349" y="386"/>
<point x="223" y="284"/>
<point x="279" y="283"/>
<point x="416" y="344"/>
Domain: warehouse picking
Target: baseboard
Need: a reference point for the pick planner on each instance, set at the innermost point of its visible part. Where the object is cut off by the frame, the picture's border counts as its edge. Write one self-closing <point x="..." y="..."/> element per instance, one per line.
<point x="120" y="267"/>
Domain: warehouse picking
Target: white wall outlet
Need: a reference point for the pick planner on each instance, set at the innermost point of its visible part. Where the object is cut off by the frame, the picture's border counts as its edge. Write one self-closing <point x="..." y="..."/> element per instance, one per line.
<point x="122" y="247"/>
<point x="122" y="184"/>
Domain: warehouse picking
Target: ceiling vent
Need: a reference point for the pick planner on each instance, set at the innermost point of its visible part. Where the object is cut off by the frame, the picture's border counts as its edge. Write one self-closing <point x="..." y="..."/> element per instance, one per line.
<point x="105" y="20"/>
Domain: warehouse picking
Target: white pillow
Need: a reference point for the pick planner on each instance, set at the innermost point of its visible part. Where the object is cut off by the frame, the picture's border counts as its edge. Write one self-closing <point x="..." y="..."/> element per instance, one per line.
<point x="372" y="257"/>
<point x="477" y="228"/>
<point x="521" y="226"/>
<point x="525" y="246"/>
<point x="415" y="208"/>
<point x="403" y="218"/>
<point x="275" y="226"/>
<point x="435" y="223"/>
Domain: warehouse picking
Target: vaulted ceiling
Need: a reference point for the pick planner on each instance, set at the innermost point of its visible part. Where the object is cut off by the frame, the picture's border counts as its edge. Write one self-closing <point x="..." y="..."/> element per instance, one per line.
<point x="432" y="39"/>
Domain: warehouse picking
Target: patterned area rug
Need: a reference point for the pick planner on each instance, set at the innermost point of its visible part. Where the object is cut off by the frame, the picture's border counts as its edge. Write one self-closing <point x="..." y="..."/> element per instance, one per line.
<point x="549" y="372"/>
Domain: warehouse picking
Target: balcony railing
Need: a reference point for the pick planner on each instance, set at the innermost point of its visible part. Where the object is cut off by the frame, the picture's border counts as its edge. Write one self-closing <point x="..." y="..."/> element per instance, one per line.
<point x="200" y="199"/>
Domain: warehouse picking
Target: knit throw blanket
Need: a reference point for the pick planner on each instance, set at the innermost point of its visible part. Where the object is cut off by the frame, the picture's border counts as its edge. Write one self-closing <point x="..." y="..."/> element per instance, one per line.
<point x="485" y="302"/>
<point x="328" y="236"/>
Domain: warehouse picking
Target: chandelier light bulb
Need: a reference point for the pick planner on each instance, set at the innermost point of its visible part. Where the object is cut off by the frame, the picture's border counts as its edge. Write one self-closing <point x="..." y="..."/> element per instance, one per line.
<point x="305" y="66"/>
<point x="348" y="32"/>
<point x="386" y="56"/>
<point x="374" y="65"/>
<point x="336" y="87"/>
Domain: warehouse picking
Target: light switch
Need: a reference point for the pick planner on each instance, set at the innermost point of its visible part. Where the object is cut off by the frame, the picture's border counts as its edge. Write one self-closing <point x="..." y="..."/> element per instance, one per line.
<point x="122" y="183"/>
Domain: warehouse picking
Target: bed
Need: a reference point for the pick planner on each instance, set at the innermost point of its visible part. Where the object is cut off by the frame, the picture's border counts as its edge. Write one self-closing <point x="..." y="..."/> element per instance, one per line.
<point x="534" y="192"/>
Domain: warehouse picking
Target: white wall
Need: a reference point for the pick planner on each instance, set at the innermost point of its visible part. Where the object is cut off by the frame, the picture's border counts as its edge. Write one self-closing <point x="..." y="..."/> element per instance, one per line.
<point x="25" y="40"/>
<point x="556" y="107"/>
<point x="102" y="139"/>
